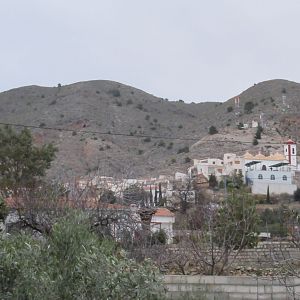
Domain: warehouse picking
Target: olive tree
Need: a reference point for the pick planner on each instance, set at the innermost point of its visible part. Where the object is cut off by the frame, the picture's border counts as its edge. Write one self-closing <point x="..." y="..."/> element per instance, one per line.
<point x="72" y="263"/>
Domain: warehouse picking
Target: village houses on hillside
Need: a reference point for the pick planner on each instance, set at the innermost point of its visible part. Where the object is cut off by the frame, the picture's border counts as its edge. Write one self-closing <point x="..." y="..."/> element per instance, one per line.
<point x="275" y="172"/>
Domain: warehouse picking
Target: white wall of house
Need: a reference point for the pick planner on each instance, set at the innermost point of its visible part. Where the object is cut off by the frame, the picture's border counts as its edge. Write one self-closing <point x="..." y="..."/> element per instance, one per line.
<point x="165" y="223"/>
<point x="261" y="188"/>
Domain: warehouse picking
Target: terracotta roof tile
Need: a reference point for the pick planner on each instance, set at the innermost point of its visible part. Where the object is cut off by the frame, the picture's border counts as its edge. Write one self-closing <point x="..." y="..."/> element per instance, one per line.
<point x="163" y="212"/>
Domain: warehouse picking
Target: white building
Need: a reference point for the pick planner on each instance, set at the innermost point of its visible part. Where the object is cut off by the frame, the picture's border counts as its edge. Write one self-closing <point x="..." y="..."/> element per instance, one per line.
<point x="230" y="164"/>
<point x="207" y="167"/>
<point x="163" y="219"/>
<point x="273" y="172"/>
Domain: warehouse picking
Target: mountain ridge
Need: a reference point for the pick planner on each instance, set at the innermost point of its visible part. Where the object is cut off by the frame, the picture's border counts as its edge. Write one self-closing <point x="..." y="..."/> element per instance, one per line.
<point x="112" y="107"/>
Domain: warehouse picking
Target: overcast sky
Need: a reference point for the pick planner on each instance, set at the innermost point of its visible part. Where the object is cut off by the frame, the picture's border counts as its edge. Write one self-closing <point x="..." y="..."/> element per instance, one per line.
<point x="178" y="49"/>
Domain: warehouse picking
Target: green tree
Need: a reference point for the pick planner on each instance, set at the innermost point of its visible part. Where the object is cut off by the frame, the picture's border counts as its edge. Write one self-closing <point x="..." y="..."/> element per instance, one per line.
<point x="255" y="142"/>
<point x="3" y="210"/>
<point x="212" y="181"/>
<point x="268" y="200"/>
<point x="21" y="163"/>
<point x="248" y="107"/>
<point x="108" y="196"/>
<point x="258" y="132"/>
<point x="72" y="263"/>
<point x="297" y="195"/>
<point x="212" y="130"/>
<point x="135" y="194"/>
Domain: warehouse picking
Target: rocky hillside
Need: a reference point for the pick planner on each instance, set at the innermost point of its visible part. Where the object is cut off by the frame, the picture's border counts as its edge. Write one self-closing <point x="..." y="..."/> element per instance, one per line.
<point x="107" y="125"/>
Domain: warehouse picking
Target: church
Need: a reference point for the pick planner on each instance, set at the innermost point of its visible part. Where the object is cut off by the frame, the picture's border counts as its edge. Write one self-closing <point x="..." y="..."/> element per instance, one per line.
<point x="275" y="172"/>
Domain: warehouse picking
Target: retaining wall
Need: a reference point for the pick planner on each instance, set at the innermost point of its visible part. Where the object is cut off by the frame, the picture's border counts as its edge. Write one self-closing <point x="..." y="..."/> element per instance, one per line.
<point x="230" y="288"/>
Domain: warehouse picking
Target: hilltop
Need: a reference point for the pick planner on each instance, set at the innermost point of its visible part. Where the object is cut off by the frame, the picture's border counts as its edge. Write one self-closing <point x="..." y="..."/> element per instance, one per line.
<point x="110" y="107"/>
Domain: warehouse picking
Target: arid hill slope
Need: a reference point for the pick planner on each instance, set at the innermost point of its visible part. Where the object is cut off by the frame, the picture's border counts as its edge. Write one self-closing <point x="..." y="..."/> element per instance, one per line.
<point x="98" y="107"/>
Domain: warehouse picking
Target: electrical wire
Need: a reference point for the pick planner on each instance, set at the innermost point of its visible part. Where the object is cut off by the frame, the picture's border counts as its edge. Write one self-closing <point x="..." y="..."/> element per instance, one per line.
<point x="128" y="135"/>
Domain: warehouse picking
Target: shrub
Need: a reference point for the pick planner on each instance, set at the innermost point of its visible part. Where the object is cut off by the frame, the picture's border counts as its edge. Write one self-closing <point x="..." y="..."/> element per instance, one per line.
<point x="42" y="125"/>
<point x="212" y="181"/>
<point x="114" y="92"/>
<point x="255" y="142"/>
<point x="170" y="146"/>
<point x="74" y="133"/>
<point x="258" y="132"/>
<point x="139" y="106"/>
<point x="297" y="195"/>
<point x="140" y="152"/>
<point x="159" y="237"/>
<point x="161" y="144"/>
<point x="129" y="101"/>
<point x="187" y="160"/>
<point x="147" y="117"/>
<point x="180" y="126"/>
<point x="147" y="139"/>
<point x="229" y="109"/>
<point x="184" y="149"/>
<point x="212" y="130"/>
<point x="248" y="107"/>
<point x="53" y="102"/>
<point x="173" y="161"/>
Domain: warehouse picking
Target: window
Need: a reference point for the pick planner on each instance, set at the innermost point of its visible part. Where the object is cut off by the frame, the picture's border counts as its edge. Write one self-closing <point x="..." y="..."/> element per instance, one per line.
<point x="284" y="177"/>
<point x="272" y="177"/>
<point x="260" y="176"/>
<point x="293" y="150"/>
<point x="264" y="168"/>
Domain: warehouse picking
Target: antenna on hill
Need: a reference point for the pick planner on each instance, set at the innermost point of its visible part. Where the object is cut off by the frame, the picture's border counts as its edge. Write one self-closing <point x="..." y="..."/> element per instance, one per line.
<point x="237" y="103"/>
<point x="261" y="119"/>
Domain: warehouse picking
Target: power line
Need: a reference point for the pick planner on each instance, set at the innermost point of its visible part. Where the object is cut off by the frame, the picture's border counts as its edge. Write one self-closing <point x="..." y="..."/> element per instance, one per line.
<point x="127" y="134"/>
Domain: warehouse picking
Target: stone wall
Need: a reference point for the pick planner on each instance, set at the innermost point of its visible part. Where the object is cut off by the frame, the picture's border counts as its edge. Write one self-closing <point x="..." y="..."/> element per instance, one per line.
<point x="230" y="288"/>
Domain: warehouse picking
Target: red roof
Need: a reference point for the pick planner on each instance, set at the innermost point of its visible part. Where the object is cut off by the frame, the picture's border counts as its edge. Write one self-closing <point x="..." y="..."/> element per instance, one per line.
<point x="289" y="142"/>
<point x="163" y="212"/>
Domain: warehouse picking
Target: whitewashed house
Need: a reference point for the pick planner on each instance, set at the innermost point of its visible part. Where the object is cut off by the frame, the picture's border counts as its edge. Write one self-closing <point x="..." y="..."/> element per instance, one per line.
<point x="274" y="172"/>
<point x="163" y="219"/>
<point x="228" y="166"/>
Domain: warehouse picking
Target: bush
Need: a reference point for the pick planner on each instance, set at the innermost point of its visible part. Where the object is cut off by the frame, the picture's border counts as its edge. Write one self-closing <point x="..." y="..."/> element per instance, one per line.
<point x="140" y="152"/>
<point x="297" y="195"/>
<point x="180" y="126"/>
<point x="129" y="101"/>
<point x="170" y="146"/>
<point x="229" y="109"/>
<point x="248" y="107"/>
<point x="187" y="160"/>
<point x="114" y="92"/>
<point x="212" y="130"/>
<point x="147" y="139"/>
<point x="161" y="144"/>
<point x="258" y="132"/>
<point x="185" y="149"/>
<point x="255" y="142"/>
<point x="159" y="237"/>
<point x="139" y="106"/>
